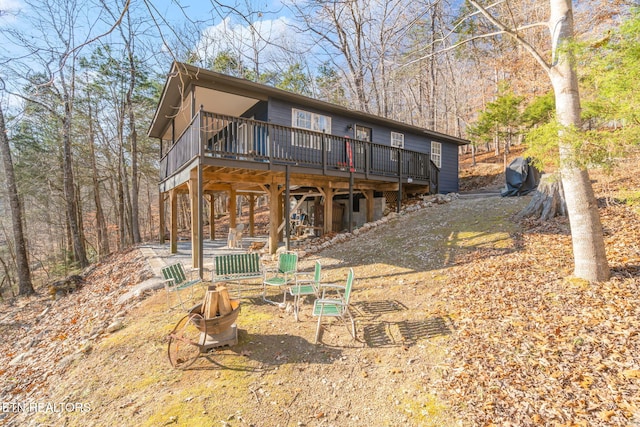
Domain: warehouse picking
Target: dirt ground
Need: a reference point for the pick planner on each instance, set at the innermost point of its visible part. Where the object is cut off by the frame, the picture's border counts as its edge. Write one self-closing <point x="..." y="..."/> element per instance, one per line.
<point x="464" y="316"/>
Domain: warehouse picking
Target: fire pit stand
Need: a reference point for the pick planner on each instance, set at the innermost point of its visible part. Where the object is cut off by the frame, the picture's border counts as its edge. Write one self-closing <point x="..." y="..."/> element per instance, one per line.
<point x="194" y="335"/>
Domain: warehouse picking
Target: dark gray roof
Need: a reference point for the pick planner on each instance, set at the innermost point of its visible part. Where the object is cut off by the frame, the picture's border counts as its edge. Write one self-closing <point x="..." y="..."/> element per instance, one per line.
<point x="182" y="76"/>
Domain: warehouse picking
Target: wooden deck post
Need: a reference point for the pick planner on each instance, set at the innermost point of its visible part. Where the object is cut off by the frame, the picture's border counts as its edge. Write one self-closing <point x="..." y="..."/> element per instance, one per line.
<point x="399" y="203"/>
<point x="200" y="206"/>
<point x="233" y="207"/>
<point x="370" y="205"/>
<point x="328" y="209"/>
<point x="212" y="217"/>
<point x="280" y="210"/>
<point x="274" y="219"/>
<point x="287" y="208"/>
<point x="252" y="211"/>
<point x="173" y="233"/>
<point x="350" y="228"/>
<point x="195" y="221"/>
<point x="161" y="200"/>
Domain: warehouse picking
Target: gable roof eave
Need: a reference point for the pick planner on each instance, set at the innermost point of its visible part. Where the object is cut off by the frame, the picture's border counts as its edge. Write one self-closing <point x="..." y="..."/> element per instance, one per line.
<point x="189" y="74"/>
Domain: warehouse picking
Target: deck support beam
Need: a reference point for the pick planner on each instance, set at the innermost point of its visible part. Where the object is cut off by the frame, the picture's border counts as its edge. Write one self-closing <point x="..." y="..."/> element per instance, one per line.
<point x="212" y="217"/>
<point x="173" y="233"/>
<point x="287" y="207"/>
<point x="350" y="227"/>
<point x="233" y="207"/>
<point x="328" y="209"/>
<point x="398" y="205"/>
<point x="280" y="211"/>
<point x="252" y="212"/>
<point x="274" y="220"/>
<point x="370" y="205"/>
<point x="195" y="198"/>
<point x="161" y="214"/>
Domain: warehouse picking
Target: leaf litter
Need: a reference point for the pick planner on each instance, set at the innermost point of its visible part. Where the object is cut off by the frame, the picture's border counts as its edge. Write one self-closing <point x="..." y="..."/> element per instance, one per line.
<point x="526" y="343"/>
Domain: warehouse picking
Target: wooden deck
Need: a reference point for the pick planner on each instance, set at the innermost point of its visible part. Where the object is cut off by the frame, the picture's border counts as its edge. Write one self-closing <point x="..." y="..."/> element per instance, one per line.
<point x="224" y="143"/>
<point x="218" y="153"/>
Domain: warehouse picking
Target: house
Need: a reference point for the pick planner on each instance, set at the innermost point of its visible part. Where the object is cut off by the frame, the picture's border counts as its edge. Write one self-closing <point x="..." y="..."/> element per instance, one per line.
<point x="224" y="134"/>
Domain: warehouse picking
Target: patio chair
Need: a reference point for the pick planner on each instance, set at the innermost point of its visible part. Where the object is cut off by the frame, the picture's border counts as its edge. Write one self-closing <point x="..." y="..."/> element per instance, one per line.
<point x="335" y="306"/>
<point x="282" y="275"/>
<point x="306" y="284"/>
<point x="175" y="280"/>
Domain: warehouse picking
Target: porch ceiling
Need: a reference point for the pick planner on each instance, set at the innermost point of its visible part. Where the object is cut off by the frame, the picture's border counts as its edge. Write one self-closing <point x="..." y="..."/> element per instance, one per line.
<point x="218" y="102"/>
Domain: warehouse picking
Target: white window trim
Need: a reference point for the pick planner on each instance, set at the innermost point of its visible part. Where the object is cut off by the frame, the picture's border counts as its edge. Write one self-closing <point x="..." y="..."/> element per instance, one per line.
<point x="397" y="141"/>
<point x="436" y="154"/>
<point x="313" y="141"/>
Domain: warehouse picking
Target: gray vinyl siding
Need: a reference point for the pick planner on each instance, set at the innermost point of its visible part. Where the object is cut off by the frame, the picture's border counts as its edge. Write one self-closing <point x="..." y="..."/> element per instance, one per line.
<point x="448" y="179"/>
<point x="258" y="112"/>
<point x="279" y="112"/>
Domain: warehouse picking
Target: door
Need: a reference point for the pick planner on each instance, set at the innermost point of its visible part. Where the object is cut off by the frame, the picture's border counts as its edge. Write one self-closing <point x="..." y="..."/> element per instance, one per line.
<point x="363" y="133"/>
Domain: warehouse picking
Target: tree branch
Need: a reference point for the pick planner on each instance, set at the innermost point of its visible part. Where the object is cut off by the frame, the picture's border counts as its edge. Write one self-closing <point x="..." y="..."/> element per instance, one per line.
<point x="513" y="34"/>
<point x="452" y="47"/>
<point x="109" y="31"/>
<point x="502" y="29"/>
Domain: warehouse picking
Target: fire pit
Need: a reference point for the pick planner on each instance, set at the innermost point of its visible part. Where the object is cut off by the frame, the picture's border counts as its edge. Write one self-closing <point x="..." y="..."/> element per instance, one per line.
<point x="208" y="325"/>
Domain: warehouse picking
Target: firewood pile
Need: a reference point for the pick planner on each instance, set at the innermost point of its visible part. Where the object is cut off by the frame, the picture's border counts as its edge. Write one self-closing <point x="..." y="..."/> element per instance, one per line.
<point x="216" y="302"/>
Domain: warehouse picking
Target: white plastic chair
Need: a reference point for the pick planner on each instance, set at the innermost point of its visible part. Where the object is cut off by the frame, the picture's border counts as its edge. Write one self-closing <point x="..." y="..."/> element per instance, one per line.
<point x="335" y="306"/>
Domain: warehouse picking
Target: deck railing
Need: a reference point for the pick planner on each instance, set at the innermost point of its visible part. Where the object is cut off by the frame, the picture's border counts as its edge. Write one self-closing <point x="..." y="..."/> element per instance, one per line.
<point x="218" y="136"/>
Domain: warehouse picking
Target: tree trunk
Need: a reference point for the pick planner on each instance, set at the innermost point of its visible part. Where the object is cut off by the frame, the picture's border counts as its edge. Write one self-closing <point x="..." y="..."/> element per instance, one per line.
<point x="548" y="200"/>
<point x="25" y="287"/>
<point x="120" y="207"/>
<point x="432" y="77"/>
<point x="80" y="255"/>
<point x="101" y="225"/>
<point x="586" y="230"/>
<point x="135" y="190"/>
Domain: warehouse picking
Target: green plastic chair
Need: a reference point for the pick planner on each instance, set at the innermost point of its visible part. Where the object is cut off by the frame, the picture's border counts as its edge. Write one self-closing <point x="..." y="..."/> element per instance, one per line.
<point x="175" y="280"/>
<point x="306" y="284"/>
<point x="283" y="275"/>
<point x="335" y="306"/>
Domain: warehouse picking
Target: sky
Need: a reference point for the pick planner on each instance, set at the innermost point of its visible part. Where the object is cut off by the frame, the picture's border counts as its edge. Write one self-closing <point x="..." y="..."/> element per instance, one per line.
<point x="265" y="23"/>
<point x="218" y="22"/>
<point x="171" y="29"/>
<point x="216" y="19"/>
<point x="6" y="7"/>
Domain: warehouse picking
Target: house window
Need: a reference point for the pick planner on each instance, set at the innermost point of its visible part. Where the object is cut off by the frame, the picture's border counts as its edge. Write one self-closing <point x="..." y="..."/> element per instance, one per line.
<point x="302" y="119"/>
<point x="397" y="141"/>
<point x="436" y="154"/>
<point x="363" y="133"/>
<point x="310" y="121"/>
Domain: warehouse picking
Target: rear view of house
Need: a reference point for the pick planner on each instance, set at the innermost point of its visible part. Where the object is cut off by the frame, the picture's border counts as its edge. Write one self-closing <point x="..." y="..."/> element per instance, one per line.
<point x="224" y="134"/>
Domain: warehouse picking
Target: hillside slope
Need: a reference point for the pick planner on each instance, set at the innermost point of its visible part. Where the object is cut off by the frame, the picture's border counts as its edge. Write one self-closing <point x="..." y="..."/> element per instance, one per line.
<point x="464" y="317"/>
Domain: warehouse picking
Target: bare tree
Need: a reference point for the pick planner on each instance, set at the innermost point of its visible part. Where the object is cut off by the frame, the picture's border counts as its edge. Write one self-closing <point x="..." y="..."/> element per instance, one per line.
<point x="25" y="287"/>
<point x="586" y="229"/>
<point x="55" y="54"/>
<point x="341" y="28"/>
<point x="101" y="223"/>
<point x="128" y="35"/>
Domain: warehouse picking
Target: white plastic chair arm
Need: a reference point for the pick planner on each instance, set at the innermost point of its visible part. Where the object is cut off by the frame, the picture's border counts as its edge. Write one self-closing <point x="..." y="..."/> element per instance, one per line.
<point x="331" y="286"/>
<point x="269" y="271"/>
<point x="324" y="301"/>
